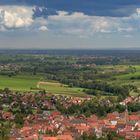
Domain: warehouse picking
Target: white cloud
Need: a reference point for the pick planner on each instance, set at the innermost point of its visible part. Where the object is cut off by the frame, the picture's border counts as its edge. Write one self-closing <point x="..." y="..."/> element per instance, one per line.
<point x="15" y="17"/>
<point x="79" y="23"/>
<point x="127" y="29"/>
<point x="128" y="36"/>
<point x="43" y="28"/>
<point x="138" y="11"/>
<point x="62" y="13"/>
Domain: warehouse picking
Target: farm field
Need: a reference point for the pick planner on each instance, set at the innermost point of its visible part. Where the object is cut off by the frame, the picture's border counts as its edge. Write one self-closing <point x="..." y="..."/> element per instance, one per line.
<point x="22" y="82"/>
<point x="123" y="79"/>
<point x="58" y="88"/>
<point x="127" y="77"/>
<point x="27" y="82"/>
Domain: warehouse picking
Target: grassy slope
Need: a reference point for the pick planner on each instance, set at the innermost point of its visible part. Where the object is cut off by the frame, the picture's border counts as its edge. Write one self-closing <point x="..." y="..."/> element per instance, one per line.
<point x="62" y="89"/>
<point x="125" y="79"/>
<point x="24" y="82"/>
<point x="20" y="82"/>
<point x="128" y="76"/>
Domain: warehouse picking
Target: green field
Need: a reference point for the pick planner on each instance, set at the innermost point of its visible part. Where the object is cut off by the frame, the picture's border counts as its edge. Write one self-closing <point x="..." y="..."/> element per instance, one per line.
<point x="129" y="75"/>
<point x="26" y="82"/>
<point x="122" y="79"/>
<point x="57" y="88"/>
<point x="22" y="82"/>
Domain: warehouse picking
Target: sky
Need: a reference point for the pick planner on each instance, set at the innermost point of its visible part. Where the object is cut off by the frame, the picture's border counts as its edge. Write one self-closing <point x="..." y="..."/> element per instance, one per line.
<point x="70" y="24"/>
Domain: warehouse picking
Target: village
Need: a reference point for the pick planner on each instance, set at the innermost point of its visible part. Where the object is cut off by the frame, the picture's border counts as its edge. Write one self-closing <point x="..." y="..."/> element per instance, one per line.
<point x="69" y="69"/>
<point x="50" y="124"/>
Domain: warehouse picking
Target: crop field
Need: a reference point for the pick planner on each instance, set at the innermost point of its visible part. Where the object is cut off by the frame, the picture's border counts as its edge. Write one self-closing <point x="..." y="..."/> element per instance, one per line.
<point x="27" y="82"/>
<point x="122" y="79"/>
<point x="58" y="88"/>
<point x="22" y="82"/>
<point x="129" y="75"/>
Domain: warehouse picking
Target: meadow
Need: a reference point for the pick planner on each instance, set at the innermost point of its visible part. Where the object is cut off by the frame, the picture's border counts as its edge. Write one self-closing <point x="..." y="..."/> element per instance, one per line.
<point x="29" y="82"/>
<point x="123" y="78"/>
<point x="22" y="82"/>
<point x="58" y="88"/>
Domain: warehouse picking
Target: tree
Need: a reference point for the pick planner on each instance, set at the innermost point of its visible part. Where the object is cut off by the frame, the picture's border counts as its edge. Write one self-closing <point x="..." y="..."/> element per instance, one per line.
<point x="19" y="119"/>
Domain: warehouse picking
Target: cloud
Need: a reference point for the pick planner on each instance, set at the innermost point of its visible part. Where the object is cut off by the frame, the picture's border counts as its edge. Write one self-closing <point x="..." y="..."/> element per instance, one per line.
<point x="126" y="29"/>
<point x="79" y="24"/>
<point x="43" y="28"/>
<point x="20" y="17"/>
<point x="15" y="17"/>
<point x="128" y="36"/>
<point x="64" y="22"/>
<point x="112" y="8"/>
<point x="138" y="11"/>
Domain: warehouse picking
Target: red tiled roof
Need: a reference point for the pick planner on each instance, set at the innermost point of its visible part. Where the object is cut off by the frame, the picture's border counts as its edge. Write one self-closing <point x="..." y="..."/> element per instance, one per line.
<point x="26" y="128"/>
<point x="101" y="122"/>
<point x="49" y="138"/>
<point x="94" y="124"/>
<point x="134" y="118"/>
<point x="92" y="118"/>
<point x="128" y="128"/>
<point x="55" y="113"/>
<point x="112" y="116"/>
<point x="7" y="115"/>
<point x="135" y="134"/>
<point x="64" y="137"/>
<point x="82" y="127"/>
<point x="36" y="126"/>
<point x="33" y="137"/>
<point x="129" y="99"/>
<point x="111" y="126"/>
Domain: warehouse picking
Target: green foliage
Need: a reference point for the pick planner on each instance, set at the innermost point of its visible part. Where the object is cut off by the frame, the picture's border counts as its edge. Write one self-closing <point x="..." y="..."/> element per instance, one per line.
<point x="110" y="136"/>
<point x="21" y="82"/>
<point x="100" y="108"/>
<point x="19" y="120"/>
<point x="4" y="130"/>
<point x="133" y="107"/>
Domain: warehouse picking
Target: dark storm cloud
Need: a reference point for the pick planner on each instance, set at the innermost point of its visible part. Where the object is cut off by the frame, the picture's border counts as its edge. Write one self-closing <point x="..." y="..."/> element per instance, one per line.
<point x="113" y="8"/>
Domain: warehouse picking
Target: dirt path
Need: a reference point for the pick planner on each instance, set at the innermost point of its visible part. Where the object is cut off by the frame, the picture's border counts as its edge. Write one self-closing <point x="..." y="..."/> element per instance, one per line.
<point x="47" y="83"/>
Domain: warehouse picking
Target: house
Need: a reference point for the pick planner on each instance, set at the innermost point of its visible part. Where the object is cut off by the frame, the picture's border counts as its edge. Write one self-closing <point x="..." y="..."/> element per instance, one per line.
<point x="111" y="128"/>
<point x="49" y="138"/>
<point x="92" y="119"/>
<point x="7" y="116"/>
<point x="55" y="114"/>
<point x="82" y="128"/>
<point x="33" y="137"/>
<point x="64" y="137"/>
<point x="59" y="137"/>
<point x="133" y="135"/>
<point x="124" y="132"/>
<point x="113" y="116"/>
<point x="134" y="118"/>
<point x="127" y="100"/>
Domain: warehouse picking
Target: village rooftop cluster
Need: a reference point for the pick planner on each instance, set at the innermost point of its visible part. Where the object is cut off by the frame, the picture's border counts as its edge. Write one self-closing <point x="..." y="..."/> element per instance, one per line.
<point x="51" y="124"/>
